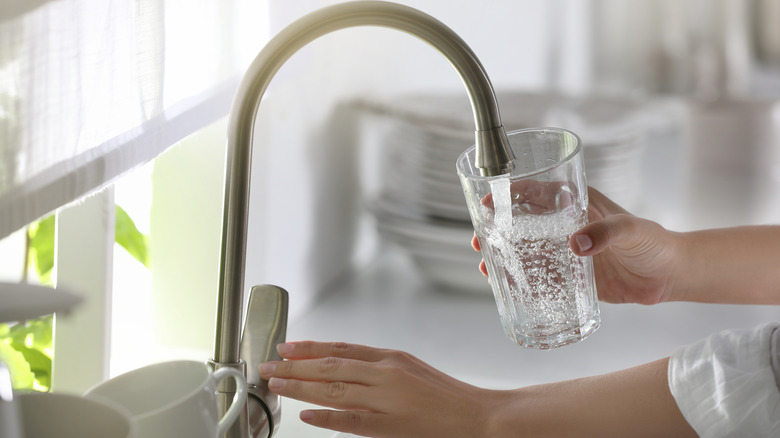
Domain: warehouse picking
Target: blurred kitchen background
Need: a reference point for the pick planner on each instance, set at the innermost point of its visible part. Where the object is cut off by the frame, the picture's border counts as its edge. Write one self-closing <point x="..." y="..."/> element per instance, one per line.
<point x="356" y="208"/>
<point x="674" y="100"/>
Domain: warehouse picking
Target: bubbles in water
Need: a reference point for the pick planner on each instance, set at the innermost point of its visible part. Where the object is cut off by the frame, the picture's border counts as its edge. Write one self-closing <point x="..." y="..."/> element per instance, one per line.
<point x="544" y="280"/>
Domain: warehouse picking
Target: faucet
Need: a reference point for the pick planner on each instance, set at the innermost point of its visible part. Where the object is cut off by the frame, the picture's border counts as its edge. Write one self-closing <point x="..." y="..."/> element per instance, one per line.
<point x="266" y="316"/>
<point x="10" y="415"/>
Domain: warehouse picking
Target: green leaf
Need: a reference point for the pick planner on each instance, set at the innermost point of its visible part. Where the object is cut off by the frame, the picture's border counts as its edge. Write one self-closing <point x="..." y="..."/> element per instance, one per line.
<point x="129" y="238"/>
<point x="33" y="333"/>
<point x="41" y="235"/>
<point x="21" y="375"/>
<point x="39" y="364"/>
<point x="32" y="340"/>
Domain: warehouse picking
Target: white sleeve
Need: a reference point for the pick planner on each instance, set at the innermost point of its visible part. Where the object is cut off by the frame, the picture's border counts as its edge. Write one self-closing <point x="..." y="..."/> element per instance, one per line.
<point x="728" y="385"/>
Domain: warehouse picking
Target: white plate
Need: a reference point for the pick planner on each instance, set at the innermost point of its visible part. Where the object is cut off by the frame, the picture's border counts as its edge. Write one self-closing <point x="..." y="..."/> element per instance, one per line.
<point x="21" y="301"/>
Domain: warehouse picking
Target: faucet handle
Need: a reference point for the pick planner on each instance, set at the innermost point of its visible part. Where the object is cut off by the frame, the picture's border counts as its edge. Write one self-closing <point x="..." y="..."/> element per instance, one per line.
<point x="264" y="328"/>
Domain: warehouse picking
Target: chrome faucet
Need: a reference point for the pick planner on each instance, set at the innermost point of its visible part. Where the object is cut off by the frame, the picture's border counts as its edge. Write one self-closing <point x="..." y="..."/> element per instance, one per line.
<point x="266" y="315"/>
<point x="10" y="415"/>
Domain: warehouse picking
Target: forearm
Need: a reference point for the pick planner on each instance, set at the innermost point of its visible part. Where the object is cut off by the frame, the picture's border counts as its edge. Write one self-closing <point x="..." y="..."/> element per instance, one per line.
<point x="630" y="403"/>
<point x="733" y="265"/>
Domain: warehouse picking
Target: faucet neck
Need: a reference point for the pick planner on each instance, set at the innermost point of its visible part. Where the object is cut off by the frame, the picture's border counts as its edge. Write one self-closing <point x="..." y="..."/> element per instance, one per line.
<point x="490" y="136"/>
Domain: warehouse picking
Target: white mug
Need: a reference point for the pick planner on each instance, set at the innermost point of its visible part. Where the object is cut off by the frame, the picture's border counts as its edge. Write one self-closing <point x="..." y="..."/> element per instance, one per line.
<point x="175" y="398"/>
<point x="55" y="415"/>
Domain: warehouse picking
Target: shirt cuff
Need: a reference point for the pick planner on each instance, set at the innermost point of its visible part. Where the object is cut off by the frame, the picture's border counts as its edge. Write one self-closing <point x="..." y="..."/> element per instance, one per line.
<point x="725" y="385"/>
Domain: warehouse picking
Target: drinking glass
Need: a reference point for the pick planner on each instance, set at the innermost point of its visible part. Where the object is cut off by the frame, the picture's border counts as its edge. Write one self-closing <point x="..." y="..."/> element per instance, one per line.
<point x="545" y="294"/>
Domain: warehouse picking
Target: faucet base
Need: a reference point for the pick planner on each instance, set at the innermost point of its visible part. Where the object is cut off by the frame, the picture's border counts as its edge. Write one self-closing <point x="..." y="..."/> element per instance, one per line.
<point x="260" y="418"/>
<point x="265" y="327"/>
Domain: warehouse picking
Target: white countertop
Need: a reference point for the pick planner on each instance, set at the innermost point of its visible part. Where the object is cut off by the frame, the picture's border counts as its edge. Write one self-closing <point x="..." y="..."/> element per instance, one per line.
<point x="390" y="305"/>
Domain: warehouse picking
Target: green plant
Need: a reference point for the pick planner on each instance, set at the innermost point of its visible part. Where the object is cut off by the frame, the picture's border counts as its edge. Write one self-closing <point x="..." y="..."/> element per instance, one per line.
<point x="27" y="347"/>
<point x="27" y="350"/>
<point x="128" y="237"/>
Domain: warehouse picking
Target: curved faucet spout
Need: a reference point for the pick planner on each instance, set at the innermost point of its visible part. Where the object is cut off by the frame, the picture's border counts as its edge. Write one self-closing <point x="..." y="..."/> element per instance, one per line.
<point x="494" y="155"/>
<point x="489" y="133"/>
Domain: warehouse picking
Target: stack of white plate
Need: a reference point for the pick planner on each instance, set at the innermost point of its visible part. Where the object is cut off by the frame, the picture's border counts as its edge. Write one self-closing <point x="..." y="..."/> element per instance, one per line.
<point x="420" y="204"/>
<point x="613" y="131"/>
<point x="440" y="249"/>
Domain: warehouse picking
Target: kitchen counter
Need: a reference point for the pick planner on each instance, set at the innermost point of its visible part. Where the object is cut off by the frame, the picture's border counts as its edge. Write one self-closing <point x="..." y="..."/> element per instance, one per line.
<point x="390" y="305"/>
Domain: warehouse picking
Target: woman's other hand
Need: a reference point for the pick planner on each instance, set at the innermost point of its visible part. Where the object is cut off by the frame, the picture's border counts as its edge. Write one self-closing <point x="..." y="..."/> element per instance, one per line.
<point x="378" y="392"/>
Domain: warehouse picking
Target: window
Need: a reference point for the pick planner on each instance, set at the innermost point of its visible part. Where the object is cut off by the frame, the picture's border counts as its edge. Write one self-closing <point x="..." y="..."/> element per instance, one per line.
<point x="90" y="91"/>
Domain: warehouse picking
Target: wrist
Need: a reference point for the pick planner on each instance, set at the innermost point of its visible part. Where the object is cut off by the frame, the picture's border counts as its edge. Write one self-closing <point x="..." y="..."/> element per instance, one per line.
<point x="533" y="411"/>
<point x="507" y="414"/>
<point x="684" y="271"/>
<point x="692" y="272"/>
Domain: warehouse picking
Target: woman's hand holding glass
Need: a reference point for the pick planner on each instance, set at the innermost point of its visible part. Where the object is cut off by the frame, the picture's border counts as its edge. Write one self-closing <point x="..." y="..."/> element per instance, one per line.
<point x="634" y="259"/>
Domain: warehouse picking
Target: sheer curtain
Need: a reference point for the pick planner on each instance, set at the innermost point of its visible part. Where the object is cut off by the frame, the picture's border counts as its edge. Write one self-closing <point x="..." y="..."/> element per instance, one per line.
<point x="90" y="89"/>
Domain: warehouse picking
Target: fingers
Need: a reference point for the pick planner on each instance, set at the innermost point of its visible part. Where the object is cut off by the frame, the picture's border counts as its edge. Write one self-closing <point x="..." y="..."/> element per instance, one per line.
<point x="334" y="394"/>
<point x="475" y="244"/>
<point x="310" y="350"/>
<point x="326" y="369"/>
<point x="336" y="375"/>
<point x="477" y="247"/>
<point x="322" y="362"/>
<point x="537" y="197"/>
<point x="391" y="396"/>
<point x="344" y="421"/>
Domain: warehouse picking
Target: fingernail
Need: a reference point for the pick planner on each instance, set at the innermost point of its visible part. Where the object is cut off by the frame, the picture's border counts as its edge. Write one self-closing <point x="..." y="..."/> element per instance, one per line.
<point x="285" y="348"/>
<point x="306" y="415"/>
<point x="275" y="383"/>
<point x="583" y="242"/>
<point x="267" y="368"/>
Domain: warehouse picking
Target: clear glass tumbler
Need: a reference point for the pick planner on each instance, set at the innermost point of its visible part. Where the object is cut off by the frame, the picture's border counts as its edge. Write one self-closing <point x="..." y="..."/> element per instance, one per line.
<point x="546" y="295"/>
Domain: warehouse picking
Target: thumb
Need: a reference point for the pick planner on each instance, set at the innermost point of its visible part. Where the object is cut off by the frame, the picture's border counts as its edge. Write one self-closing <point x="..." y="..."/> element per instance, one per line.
<point x="600" y="235"/>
